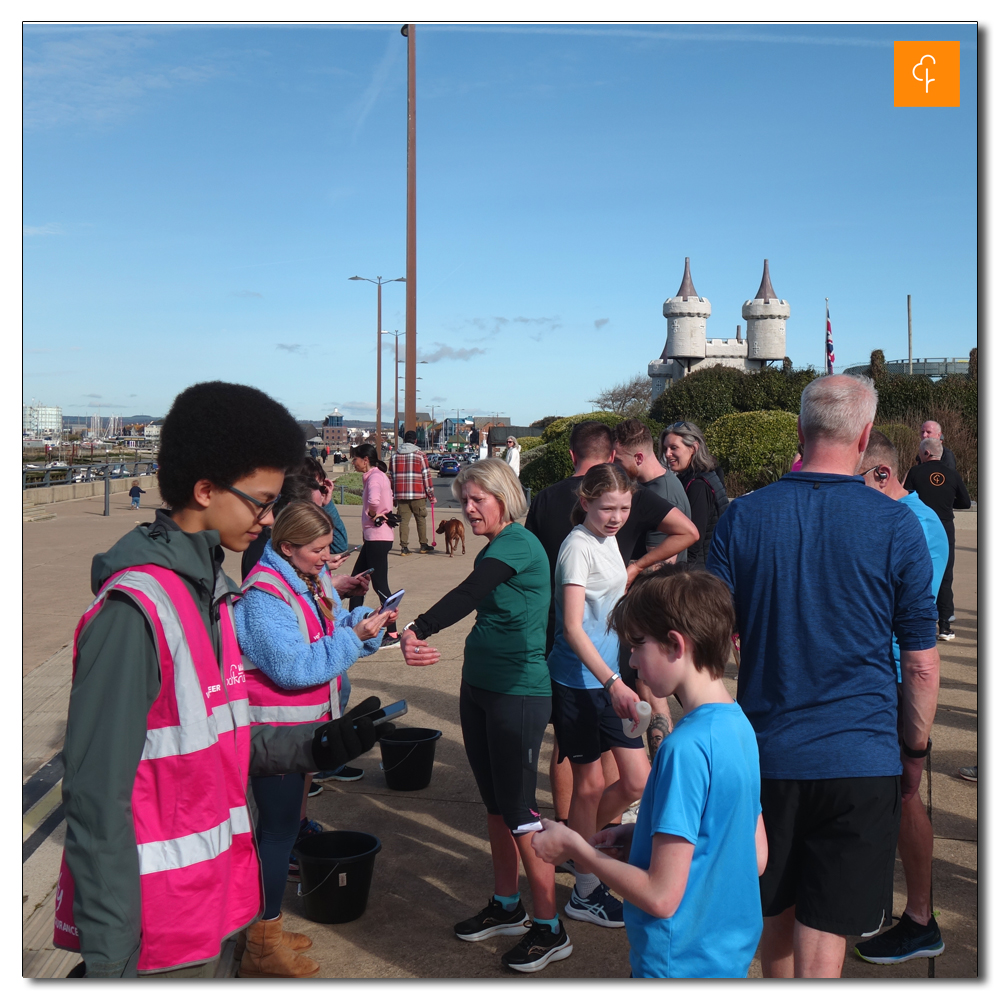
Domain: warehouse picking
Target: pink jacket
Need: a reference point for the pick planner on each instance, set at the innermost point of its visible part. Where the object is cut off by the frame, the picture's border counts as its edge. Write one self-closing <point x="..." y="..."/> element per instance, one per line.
<point x="199" y="875"/>
<point x="377" y="494"/>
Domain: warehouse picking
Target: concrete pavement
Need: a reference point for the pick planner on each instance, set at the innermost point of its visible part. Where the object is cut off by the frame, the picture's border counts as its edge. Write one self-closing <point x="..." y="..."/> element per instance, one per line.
<point x="434" y="867"/>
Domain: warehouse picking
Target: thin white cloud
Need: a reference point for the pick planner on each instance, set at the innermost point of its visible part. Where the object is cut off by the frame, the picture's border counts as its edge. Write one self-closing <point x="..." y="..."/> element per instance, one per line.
<point x="49" y="229"/>
<point x="244" y="294"/>
<point x="393" y="49"/>
<point x="96" y="77"/>
<point x="728" y="34"/>
<point x="446" y="353"/>
<point x="291" y="348"/>
<point x="598" y="323"/>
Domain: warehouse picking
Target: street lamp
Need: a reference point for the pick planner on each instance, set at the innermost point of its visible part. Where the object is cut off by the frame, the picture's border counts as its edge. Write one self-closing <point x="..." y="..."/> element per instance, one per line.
<point x="378" y="353"/>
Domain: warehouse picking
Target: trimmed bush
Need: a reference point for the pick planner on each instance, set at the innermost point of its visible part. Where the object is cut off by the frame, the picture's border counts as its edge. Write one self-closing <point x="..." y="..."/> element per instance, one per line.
<point x="754" y="448"/>
<point x="550" y="462"/>
<point x="906" y="440"/>
<point x="563" y="424"/>
<point x="710" y="393"/>
<point x="527" y="444"/>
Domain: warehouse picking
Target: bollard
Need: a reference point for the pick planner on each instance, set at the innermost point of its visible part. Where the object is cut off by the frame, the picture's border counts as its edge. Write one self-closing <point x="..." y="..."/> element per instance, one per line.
<point x="107" y="493"/>
<point x="528" y="492"/>
<point x="341" y="496"/>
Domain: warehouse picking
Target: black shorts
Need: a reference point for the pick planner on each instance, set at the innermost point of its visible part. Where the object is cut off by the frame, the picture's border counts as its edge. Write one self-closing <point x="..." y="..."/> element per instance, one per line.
<point x="831" y="851"/>
<point x="586" y="724"/>
<point x="503" y="736"/>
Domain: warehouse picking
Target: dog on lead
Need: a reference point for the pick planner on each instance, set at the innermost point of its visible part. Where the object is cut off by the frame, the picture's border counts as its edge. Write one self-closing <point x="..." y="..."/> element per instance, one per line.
<point x="453" y="530"/>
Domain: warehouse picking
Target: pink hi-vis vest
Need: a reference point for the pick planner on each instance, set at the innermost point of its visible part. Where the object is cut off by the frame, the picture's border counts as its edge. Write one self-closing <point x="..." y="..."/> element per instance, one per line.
<point x="198" y="869"/>
<point x="278" y="706"/>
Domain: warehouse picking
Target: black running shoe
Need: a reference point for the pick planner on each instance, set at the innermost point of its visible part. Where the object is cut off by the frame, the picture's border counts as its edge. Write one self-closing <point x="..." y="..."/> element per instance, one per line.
<point x="537" y="949"/>
<point x="492" y="921"/>
<point x="906" y="940"/>
<point x="314" y="790"/>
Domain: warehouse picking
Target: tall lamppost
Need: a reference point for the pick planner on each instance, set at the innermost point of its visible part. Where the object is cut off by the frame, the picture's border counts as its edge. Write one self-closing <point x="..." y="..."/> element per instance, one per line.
<point x="409" y="31"/>
<point x="378" y="353"/>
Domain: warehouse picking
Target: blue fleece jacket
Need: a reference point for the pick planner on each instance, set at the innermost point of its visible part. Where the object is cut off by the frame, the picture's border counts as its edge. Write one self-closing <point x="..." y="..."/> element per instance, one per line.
<point x="269" y="635"/>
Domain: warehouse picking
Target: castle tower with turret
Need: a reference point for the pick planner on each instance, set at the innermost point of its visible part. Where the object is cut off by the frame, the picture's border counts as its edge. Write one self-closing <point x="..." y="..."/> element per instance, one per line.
<point x="688" y="348"/>
<point x="766" y="315"/>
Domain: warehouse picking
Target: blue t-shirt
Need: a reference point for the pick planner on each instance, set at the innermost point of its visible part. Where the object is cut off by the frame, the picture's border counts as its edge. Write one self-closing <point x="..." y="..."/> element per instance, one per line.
<point x="823" y="570"/>
<point x="937" y="544"/>
<point x="704" y="787"/>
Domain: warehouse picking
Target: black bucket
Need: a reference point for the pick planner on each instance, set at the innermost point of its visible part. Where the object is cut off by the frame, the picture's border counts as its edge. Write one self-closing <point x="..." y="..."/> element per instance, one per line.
<point x="336" y="871"/>
<point x="408" y="758"/>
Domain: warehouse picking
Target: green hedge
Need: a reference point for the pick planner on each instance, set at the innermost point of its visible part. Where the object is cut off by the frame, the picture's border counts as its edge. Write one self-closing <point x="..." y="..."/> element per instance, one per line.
<point x="711" y="393"/>
<point x="906" y="440"/>
<point x="527" y="443"/>
<point x="550" y="462"/>
<point x="754" y="448"/>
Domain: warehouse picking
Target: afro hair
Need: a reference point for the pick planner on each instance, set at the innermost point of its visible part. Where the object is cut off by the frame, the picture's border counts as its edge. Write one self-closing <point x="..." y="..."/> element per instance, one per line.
<point x="223" y="432"/>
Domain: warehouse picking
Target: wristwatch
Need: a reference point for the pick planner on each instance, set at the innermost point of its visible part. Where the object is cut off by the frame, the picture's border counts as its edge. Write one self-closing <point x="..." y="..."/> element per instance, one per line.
<point x="614" y="677"/>
<point x="915" y="753"/>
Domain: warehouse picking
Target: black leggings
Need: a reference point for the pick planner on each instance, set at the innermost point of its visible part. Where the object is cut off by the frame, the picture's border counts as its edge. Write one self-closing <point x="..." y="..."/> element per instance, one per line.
<point x="503" y="735"/>
<point x="373" y="555"/>
<point x="279" y="805"/>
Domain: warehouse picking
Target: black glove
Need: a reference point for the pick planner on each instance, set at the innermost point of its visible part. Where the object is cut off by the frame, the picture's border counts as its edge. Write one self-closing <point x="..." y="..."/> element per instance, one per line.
<point x="337" y="742"/>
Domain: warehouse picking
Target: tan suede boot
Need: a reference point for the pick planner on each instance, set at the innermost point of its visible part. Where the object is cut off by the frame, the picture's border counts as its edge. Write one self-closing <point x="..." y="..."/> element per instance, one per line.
<point x="267" y="958"/>
<point x="290" y="939"/>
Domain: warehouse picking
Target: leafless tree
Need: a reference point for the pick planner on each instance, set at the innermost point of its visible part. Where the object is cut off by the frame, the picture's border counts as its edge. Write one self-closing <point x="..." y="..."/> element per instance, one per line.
<point x="631" y="398"/>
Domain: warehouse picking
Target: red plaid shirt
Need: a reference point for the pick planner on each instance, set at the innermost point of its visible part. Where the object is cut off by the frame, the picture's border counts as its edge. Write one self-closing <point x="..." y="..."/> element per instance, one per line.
<point x="411" y="477"/>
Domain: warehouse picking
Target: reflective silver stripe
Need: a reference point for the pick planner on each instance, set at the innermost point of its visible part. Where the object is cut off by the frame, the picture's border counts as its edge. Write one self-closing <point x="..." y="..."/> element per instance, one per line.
<point x="191" y="706"/>
<point x="288" y="713"/>
<point x="289" y="596"/>
<point x="169" y="741"/>
<point x="167" y="855"/>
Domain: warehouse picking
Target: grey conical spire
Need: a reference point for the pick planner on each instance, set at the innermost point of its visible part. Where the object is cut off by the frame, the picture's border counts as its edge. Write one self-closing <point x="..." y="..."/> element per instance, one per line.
<point x="686" y="290"/>
<point x="765" y="292"/>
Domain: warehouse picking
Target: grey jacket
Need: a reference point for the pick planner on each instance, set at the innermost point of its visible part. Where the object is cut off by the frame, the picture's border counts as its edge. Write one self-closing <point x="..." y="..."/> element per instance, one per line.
<point x="116" y="681"/>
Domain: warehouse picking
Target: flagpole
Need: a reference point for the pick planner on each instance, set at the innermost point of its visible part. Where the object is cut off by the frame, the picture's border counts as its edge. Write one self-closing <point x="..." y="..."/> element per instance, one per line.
<point x="826" y="358"/>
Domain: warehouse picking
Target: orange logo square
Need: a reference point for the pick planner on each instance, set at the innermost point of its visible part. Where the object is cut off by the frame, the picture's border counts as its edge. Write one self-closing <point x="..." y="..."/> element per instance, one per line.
<point x="925" y="74"/>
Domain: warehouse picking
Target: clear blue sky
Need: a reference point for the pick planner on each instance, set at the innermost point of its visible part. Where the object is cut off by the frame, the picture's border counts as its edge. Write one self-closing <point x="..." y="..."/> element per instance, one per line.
<point x="195" y="200"/>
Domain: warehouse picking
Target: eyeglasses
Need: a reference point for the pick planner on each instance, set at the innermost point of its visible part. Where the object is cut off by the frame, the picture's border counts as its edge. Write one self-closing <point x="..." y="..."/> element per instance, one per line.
<point x="263" y="507"/>
<point x="680" y="425"/>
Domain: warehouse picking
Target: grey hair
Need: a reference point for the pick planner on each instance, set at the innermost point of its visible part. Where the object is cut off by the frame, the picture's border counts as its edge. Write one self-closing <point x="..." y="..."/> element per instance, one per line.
<point x="837" y="407"/>
<point x="940" y="433"/>
<point x="702" y="459"/>
<point x="496" y="477"/>
<point x="510" y="437"/>
<point x="932" y="447"/>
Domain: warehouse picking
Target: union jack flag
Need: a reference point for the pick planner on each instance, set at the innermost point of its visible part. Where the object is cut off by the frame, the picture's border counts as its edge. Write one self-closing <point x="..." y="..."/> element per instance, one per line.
<point x="829" y="341"/>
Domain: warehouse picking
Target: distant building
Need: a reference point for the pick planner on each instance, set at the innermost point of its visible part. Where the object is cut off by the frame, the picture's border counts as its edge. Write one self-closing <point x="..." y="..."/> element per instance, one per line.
<point x="151" y="432"/>
<point x="41" y="422"/>
<point x="688" y="348"/>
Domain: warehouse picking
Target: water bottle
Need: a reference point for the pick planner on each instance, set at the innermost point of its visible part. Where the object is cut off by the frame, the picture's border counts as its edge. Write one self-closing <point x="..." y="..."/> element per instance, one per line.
<point x="645" y="713"/>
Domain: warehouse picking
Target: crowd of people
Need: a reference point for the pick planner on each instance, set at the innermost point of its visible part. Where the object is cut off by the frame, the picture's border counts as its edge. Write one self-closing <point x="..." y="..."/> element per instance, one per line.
<point x="771" y="820"/>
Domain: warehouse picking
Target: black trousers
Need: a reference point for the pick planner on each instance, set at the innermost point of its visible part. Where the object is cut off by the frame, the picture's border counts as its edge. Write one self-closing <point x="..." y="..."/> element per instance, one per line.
<point x="373" y="555"/>
<point x="946" y="598"/>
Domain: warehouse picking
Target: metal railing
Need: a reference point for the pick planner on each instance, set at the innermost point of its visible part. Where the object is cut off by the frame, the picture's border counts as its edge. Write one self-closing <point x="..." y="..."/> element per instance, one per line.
<point x="66" y="475"/>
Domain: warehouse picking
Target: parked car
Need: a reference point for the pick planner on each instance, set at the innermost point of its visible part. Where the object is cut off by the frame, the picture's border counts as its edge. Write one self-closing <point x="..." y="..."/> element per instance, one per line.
<point x="448" y="467"/>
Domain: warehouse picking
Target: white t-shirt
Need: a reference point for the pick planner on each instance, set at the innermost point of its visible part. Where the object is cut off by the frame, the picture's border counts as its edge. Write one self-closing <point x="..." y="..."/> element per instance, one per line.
<point x="595" y="564"/>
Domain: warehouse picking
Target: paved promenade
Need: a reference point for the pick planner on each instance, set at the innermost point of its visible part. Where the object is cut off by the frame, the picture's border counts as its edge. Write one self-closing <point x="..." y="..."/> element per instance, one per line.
<point x="434" y="867"/>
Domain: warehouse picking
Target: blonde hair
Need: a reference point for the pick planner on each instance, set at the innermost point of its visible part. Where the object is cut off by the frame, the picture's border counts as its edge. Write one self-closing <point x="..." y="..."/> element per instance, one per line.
<point x="299" y="524"/>
<point x="497" y="478"/>
<point x="600" y="479"/>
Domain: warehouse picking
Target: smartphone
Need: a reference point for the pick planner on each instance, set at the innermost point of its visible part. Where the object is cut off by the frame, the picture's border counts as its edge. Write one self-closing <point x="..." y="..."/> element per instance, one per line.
<point x="392" y="602"/>
<point x="532" y="827"/>
<point x="355" y="548"/>
<point x="366" y="572"/>
<point x="388" y="712"/>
